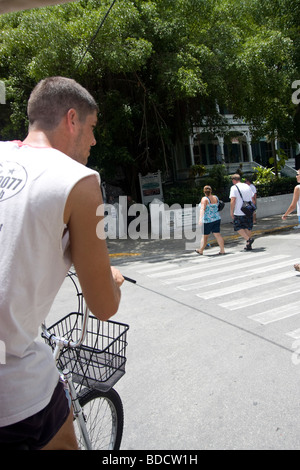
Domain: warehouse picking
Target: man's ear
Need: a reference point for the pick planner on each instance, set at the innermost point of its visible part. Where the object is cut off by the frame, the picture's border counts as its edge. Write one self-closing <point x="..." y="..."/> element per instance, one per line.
<point x="72" y="119"/>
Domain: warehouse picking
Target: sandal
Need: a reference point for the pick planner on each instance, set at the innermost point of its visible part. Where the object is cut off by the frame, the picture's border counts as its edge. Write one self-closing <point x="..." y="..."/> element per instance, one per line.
<point x="221" y="253"/>
<point x="250" y="241"/>
<point x="197" y="251"/>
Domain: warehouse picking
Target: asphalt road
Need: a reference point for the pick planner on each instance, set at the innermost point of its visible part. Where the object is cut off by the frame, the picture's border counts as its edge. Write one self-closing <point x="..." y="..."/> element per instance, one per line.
<point x="213" y="355"/>
<point x="213" y="347"/>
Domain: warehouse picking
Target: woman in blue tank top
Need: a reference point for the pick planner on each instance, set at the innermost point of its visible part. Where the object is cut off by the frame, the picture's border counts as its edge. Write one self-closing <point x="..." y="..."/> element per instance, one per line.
<point x="210" y="220"/>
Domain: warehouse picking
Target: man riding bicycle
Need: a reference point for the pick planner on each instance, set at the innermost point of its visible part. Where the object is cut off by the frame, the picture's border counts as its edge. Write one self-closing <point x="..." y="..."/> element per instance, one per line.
<point x="48" y="202"/>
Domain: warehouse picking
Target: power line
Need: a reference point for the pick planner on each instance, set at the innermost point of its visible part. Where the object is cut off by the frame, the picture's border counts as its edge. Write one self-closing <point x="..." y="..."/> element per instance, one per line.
<point x="96" y="33"/>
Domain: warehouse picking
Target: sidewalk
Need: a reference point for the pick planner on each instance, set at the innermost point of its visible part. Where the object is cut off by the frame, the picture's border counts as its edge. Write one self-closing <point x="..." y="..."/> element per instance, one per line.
<point x="121" y="248"/>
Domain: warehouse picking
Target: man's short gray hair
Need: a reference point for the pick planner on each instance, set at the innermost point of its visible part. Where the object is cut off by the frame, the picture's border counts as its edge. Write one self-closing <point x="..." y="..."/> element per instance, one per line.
<point x="53" y="97"/>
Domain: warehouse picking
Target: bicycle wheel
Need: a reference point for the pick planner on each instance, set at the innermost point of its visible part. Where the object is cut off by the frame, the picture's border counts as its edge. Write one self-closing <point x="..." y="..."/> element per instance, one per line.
<point x="104" y="417"/>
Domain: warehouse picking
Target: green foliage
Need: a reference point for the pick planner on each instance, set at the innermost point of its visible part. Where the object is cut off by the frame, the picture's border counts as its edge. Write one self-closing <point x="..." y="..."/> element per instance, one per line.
<point x="276" y="187"/>
<point x="156" y="66"/>
<point x="182" y="194"/>
<point x="186" y="194"/>
<point x="267" y="184"/>
<point x="191" y="194"/>
<point x="281" y="159"/>
<point x="263" y="175"/>
<point x="197" y="170"/>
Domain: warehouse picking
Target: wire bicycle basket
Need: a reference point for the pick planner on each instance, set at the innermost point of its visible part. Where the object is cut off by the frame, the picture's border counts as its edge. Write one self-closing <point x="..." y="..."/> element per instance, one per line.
<point x="99" y="362"/>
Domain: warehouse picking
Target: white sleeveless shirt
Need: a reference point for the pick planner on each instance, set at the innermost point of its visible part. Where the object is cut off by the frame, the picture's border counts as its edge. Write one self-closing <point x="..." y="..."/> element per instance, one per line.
<point x="298" y="203"/>
<point x="34" y="186"/>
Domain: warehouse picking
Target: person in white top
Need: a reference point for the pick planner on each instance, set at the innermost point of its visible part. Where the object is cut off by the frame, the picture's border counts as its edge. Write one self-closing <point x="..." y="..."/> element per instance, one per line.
<point x="240" y="192"/>
<point x="295" y="204"/>
<point x="48" y="204"/>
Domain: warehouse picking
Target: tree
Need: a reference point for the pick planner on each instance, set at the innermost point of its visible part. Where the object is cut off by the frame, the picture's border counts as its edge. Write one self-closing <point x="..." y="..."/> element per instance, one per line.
<point x="266" y="67"/>
<point x="157" y="67"/>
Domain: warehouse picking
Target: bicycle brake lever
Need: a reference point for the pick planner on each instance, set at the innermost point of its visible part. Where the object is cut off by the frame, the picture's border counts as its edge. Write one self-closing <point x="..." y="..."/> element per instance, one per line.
<point x="129" y="279"/>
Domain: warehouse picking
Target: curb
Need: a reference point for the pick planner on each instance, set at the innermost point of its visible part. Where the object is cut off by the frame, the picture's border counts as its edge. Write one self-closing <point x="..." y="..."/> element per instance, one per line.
<point x="254" y="232"/>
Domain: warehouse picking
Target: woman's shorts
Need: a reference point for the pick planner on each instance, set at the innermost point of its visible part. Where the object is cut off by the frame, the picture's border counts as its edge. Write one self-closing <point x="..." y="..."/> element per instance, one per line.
<point x="212" y="227"/>
<point x="242" y="222"/>
<point x="35" y="432"/>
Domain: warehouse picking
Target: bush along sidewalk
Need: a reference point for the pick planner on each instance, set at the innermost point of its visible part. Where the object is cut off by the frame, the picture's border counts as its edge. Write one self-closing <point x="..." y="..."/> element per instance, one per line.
<point x="191" y="191"/>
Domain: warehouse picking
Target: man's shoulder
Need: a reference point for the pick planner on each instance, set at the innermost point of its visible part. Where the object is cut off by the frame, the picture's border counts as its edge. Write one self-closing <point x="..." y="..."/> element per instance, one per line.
<point x="244" y="187"/>
<point x="8" y="143"/>
<point x="233" y="191"/>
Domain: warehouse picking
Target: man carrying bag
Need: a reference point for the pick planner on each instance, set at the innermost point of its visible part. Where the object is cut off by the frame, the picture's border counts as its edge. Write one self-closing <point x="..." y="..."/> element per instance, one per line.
<point x="241" y="209"/>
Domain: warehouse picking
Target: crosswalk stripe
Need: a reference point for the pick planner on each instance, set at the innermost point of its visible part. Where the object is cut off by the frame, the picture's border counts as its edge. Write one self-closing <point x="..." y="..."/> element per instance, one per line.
<point x="294" y="334"/>
<point x="277" y="314"/>
<point x="262" y="296"/>
<point x="214" y="283"/>
<point x="245" y="285"/>
<point x="210" y="268"/>
<point x="158" y="263"/>
<point x="158" y="267"/>
<point x="215" y="258"/>
<point x="225" y="270"/>
<point x="218" y="277"/>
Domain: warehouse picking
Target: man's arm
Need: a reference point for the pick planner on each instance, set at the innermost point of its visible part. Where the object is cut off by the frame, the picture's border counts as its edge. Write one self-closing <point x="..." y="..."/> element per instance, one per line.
<point x="100" y="283"/>
<point x="232" y="206"/>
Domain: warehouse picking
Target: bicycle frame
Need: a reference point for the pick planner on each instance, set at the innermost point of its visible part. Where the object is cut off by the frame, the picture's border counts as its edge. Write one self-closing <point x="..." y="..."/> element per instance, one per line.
<point x="97" y="364"/>
<point x="60" y="343"/>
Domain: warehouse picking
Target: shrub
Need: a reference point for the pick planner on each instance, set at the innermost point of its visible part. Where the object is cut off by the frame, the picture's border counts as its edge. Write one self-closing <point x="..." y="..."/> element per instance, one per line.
<point x="188" y="193"/>
<point x="182" y="194"/>
<point x="284" y="185"/>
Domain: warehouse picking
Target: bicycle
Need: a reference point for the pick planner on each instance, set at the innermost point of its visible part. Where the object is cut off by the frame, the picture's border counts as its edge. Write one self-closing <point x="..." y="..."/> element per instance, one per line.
<point x="91" y="356"/>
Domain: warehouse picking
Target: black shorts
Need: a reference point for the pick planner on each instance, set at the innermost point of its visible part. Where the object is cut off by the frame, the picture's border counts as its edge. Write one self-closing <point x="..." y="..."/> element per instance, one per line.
<point x="242" y="222"/>
<point x="37" y="430"/>
<point x="212" y="227"/>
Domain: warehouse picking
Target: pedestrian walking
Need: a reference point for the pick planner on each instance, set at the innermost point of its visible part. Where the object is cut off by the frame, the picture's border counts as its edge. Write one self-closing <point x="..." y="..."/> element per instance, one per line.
<point x="242" y="224"/>
<point x="295" y="204"/>
<point x="210" y="220"/>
